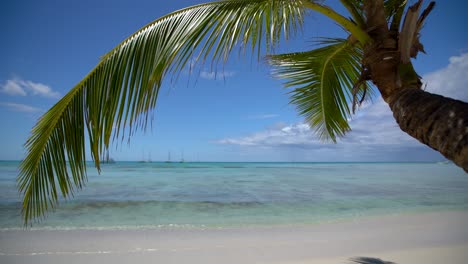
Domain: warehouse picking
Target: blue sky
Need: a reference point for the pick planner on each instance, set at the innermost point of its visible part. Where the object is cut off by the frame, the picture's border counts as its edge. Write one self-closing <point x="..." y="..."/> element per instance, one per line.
<point x="241" y="114"/>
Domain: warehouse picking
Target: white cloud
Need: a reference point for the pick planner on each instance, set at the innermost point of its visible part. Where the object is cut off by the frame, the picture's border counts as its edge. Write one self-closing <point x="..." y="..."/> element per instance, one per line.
<point x="40" y="89"/>
<point x="25" y="87"/>
<point x="295" y="134"/>
<point x="197" y="66"/>
<point x="21" y="107"/>
<point x="375" y="134"/>
<point x="11" y="87"/>
<point x="374" y="138"/>
<point x="450" y="81"/>
<point x="375" y="127"/>
<point x="212" y="75"/>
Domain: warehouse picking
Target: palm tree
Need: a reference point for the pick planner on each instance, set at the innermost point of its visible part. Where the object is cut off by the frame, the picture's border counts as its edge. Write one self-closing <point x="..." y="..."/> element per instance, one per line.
<point x="115" y="98"/>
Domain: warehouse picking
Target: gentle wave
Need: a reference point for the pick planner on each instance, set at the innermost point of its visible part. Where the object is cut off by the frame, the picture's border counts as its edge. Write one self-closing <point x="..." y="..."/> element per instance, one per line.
<point x="97" y="252"/>
<point x="199" y="195"/>
<point x="168" y="204"/>
<point x="113" y="227"/>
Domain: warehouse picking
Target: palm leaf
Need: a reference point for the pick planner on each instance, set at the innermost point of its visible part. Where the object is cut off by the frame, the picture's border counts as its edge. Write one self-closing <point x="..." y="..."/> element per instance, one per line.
<point x="367" y="260"/>
<point x="393" y="8"/>
<point x="355" y="9"/>
<point x="394" y="11"/>
<point x="323" y="81"/>
<point x="115" y="98"/>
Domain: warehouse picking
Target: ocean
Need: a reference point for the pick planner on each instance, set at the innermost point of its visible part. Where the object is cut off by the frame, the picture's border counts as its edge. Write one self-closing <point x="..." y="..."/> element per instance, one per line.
<point x="132" y="195"/>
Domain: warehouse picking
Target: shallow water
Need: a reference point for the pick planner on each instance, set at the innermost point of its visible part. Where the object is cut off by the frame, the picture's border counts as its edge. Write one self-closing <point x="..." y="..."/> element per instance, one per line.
<point x="131" y="195"/>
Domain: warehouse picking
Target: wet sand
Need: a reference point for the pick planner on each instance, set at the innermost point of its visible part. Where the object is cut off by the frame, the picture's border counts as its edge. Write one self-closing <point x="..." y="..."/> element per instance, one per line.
<point x="437" y="237"/>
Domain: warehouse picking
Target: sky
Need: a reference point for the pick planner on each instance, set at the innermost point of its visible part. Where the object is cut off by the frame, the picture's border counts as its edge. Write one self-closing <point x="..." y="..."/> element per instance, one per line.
<point x="237" y="113"/>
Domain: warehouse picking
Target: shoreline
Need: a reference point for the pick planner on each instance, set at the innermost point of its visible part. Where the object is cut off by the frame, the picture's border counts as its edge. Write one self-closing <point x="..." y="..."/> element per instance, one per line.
<point x="401" y="238"/>
<point x="201" y="227"/>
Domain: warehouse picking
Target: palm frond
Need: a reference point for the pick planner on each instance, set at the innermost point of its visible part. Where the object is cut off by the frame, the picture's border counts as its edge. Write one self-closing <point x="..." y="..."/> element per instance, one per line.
<point x="368" y="260"/>
<point x="115" y="98"/>
<point x="355" y="9"/>
<point x="323" y="81"/>
<point x="393" y="10"/>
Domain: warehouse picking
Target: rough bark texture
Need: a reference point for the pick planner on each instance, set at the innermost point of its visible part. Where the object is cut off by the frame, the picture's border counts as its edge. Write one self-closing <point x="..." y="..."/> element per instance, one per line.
<point x="437" y="121"/>
<point x="381" y="56"/>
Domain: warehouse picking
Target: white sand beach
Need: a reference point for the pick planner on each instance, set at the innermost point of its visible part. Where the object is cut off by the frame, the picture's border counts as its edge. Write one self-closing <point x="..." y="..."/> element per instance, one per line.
<point x="437" y="237"/>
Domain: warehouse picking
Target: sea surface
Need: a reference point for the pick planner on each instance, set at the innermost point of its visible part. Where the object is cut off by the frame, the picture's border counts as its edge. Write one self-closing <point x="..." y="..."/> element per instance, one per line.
<point x="132" y="195"/>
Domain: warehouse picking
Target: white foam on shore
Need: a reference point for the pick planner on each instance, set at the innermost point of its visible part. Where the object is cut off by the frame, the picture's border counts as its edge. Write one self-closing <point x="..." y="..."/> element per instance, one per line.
<point x="136" y="250"/>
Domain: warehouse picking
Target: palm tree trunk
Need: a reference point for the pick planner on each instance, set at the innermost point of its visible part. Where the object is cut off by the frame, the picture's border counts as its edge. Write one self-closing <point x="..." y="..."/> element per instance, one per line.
<point x="437" y="121"/>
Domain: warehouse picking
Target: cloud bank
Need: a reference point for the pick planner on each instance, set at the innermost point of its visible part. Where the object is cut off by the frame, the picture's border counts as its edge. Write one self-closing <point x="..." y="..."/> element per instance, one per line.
<point x="19" y="87"/>
<point x="213" y="75"/>
<point x="450" y="81"/>
<point x="21" y="107"/>
<point x="375" y="136"/>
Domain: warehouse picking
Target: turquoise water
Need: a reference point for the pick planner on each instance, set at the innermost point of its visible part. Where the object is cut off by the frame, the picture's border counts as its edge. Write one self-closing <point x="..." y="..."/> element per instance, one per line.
<point x="129" y="195"/>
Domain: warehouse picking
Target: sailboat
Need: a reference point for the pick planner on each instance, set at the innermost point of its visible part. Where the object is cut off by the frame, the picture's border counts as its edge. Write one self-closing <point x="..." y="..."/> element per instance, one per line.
<point x="106" y="158"/>
<point x="143" y="160"/>
<point x="182" y="159"/>
<point x="168" y="157"/>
